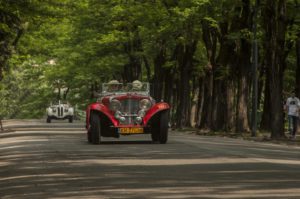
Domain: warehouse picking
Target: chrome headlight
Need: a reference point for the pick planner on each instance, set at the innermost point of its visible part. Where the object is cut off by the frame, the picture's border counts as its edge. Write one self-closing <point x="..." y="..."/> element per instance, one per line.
<point x="119" y="116"/>
<point x="115" y="105"/>
<point x="145" y="104"/>
<point x="138" y="120"/>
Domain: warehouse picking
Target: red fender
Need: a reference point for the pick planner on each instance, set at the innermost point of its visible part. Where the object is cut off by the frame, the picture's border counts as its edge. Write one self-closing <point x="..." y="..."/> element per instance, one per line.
<point x="102" y="109"/>
<point x="154" y="110"/>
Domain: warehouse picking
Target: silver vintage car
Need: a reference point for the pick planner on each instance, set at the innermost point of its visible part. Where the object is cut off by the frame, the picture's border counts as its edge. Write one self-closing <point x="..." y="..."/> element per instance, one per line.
<point x="60" y="111"/>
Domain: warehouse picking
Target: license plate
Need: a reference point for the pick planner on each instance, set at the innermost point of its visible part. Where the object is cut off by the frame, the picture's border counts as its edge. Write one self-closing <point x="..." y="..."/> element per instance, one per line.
<point x="132" y="130"/>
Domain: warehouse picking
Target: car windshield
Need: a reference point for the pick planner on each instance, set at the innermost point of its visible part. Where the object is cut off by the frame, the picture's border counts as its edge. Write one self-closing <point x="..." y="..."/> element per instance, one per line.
<point x="143" y="87"/>
<point x="57" y="102"/>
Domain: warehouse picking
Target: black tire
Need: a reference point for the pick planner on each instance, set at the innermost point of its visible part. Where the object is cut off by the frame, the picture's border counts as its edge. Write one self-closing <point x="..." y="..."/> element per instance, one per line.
<point x="71" y="119"/>
<point x="155" y="134"/>
<point x="95" y="128"/>
<point x="163" y="127"/>
<point x="48" y="119"/>
<point x="89" y="137"/>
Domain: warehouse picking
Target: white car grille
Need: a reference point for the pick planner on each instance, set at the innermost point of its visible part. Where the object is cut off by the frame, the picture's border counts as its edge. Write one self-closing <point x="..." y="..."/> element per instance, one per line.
<point x="60" y="111"/>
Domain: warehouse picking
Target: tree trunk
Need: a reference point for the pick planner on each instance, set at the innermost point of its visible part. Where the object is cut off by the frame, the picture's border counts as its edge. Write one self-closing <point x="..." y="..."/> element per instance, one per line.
<point x="194" y="102"/>
<point x="210" y="40"/>
<point x="265" y="123"/>
<point x="261" y="85"/>
<point x="297" y="92"/>
<point x="168" y="88"/>
<point x="159" y="61"/>
<point x="243" y="65"/>
<point x="185" y="66"/>
<point x="148" y="69"/>
<point x="229" y="116"/>
<point x="133" y="69"/>
<point x="58" y="97"/>
<point x="206" y="116"/>
<point x="218" y="113"/>
<point x="65" y="94"/>
<point x="1" y="126"/>
<point x="275" y="24"/>
<point x="242" y="122"/>
<point x="200" y="102"/>
<point x="174" y="101"/>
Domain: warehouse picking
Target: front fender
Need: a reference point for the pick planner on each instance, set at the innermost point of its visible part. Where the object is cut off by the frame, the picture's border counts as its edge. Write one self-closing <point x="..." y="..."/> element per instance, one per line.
<point x="49" y="111"/>
<point x="161" y="106"/>
<point x="102" y="110"/>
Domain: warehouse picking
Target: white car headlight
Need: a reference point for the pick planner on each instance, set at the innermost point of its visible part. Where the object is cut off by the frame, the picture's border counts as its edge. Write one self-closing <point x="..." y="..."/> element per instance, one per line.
<point x="145" y="104"/>
<point x="115" y="105"/>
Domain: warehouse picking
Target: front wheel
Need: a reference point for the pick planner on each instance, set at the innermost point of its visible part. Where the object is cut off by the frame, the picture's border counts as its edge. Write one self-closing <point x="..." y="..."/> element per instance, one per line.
<point x="48" y="119"/>
<point x="95" y="128"/>
<point x="163" y="127"/>
<point x="89" y="137"/>
<point x="154" y="135"/>
<point x="71" y="119"/>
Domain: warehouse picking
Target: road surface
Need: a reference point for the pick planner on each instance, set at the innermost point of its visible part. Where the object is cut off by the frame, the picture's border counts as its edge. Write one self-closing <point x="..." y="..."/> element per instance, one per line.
<point x="47" y="161"/>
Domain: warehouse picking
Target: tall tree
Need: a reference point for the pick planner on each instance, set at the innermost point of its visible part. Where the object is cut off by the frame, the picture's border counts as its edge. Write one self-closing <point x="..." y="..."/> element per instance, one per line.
<point x="11" y="30"/>
<point x="243" y="66"/>
<point x="298" y="65"/>
<point x="275" y="29"/>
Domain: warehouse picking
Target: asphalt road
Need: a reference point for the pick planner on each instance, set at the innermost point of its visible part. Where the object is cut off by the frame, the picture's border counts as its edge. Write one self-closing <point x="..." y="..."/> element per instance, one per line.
<point x="45" y="161"/>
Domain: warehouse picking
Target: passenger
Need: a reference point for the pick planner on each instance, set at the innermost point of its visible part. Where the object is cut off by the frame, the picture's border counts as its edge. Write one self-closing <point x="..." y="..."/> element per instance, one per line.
<point x="137" y="85"/>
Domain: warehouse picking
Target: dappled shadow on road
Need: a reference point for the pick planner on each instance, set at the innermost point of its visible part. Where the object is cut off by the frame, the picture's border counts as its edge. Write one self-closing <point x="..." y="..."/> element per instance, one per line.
<point x="46" y="165"/>
<point x="34" y="134"/>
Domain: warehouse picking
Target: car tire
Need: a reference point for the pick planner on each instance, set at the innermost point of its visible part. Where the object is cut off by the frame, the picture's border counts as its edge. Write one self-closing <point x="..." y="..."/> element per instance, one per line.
<point x="48" y="119"/>
<point x="71" y="119"/>
<point x="155" y="129"/>
<point x="154" y="135"/>
<point x="95" y="128"/>
<point x="163" y="127"/>
<point x="89" y="137"/>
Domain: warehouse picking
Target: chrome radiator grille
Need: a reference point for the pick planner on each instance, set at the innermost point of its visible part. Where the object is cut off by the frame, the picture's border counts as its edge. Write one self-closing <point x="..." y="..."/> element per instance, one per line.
<point x="60" y="111"/>
<point x="130" y="109"/>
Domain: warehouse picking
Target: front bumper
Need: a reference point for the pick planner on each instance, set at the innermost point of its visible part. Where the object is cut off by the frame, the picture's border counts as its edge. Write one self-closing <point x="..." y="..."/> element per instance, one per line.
<point x="59" y="117"/>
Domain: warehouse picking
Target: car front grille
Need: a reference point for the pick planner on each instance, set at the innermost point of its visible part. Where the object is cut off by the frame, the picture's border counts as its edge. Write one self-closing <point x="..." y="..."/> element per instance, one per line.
<point x="129" y="109"/>
<point x="60" y="111"/>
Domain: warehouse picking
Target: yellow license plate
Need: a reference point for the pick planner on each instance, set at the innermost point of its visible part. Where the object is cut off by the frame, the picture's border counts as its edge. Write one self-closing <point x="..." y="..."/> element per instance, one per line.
<point x="132" y="130"/>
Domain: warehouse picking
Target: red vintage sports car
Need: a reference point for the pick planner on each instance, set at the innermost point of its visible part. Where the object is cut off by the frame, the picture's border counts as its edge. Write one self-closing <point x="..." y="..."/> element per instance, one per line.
<point x="127" y="109"/>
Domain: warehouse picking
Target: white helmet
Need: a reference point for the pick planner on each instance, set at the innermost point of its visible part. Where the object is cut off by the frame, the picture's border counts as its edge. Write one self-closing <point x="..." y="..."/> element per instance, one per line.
<point x="113" y="82"/>
<point x="137" y="85"/>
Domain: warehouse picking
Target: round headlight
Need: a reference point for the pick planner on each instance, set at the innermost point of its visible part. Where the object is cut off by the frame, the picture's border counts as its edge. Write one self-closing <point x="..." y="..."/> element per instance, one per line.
<point x="115" y="105"/>
<point x="145" y="104"/>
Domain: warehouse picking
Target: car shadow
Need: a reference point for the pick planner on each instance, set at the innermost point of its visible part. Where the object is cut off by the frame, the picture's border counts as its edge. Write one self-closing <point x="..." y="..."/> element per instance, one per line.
<point x="126" y="142"/>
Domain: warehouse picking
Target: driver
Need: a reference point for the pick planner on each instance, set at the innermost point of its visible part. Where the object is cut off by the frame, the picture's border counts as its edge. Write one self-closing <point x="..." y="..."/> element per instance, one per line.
<point x="113" y="86"/>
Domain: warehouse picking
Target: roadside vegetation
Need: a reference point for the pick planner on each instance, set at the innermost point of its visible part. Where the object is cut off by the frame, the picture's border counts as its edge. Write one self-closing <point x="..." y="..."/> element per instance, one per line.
<point x="197" y="55"/>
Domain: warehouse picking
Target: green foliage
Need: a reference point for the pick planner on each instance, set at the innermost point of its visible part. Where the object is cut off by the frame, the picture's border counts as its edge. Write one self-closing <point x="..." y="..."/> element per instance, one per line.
<point x="78" y="44"/>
